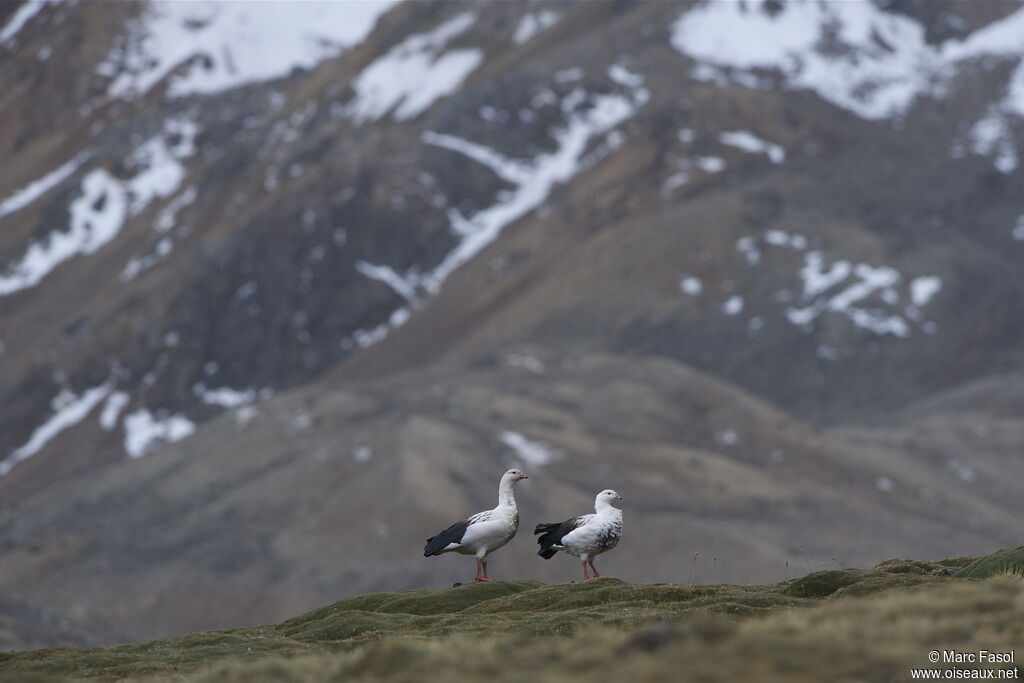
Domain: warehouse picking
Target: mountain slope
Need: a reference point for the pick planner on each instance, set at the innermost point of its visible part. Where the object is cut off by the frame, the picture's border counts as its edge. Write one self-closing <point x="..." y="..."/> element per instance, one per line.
<point x="262" y="319"/>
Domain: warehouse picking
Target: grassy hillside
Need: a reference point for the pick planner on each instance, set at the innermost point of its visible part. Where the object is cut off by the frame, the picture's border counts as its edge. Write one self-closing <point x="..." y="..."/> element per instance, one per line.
<point x="829" y="625"/>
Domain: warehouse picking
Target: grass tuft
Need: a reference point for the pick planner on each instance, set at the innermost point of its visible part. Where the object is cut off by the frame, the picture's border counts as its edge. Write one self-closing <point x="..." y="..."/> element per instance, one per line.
<point x="829" y="625"/>
<point x="823" y="583"/>
<point x="1007" y="560"/>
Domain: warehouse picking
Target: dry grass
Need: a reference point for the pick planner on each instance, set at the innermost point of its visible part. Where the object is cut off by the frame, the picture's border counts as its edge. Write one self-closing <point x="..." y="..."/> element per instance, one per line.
<point x="834" y="625"/>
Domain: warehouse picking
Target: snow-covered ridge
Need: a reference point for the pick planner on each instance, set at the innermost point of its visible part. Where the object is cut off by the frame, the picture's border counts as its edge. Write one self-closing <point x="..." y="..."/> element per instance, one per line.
<point x="586" y="116"/>
<point x="105" y="204"/>
<point x="144" y="432"/>
<point x="855" y="55"/>
<point x="96" y="218"/>
<point x="534" y="179"/>
<point x="213" y="46"/>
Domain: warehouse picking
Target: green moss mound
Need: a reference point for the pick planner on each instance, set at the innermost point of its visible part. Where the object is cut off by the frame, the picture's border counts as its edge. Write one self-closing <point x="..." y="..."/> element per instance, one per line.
<point x="828" y="625"/>
<point x="824" y="583"/>
<point x="1005" y="561"/>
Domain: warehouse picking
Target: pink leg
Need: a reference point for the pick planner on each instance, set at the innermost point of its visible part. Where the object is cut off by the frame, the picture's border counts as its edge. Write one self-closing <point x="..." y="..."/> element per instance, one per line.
<point x="596" y="575"/>
<point x="585" y="574"/>
<point x="481" y="571"/>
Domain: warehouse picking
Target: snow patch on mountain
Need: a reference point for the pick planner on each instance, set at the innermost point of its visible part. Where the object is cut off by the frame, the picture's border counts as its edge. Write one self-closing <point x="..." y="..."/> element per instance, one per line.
<point x="69" y="409"/>
<point x="992" y="135"/>
<point x="749" y="142"/>
<point x="99" y="213"/>
<point x="781" y="238"/>
<point x="533" y="179"/>
<point x="748" y="247"/>
<point x="212" y="46"/>
<point x="225" y="397"/>
<point x="96" y="218"/>
<point x="525" y="361"/>
<point x="112" y="409"/>
<point x="532" y="453"/>
<point x="708" y="164"/>
<point x="401" y="285"/>
<point x="853" y="54"/>
<point x="1014" y="100"/>
<point x="817" y="279"/>
<point x="623" y="76"/>
<point x="874" y="298"/>
<point x="858" y="283"/>
<point x="362" y="338"/>
<point x="873" y="69"/>
<point x="922" y="289"/>
<point x="690" y="285"/>
<point x="38" y="188"/>
<point x="683" y="168"/>
<point x="165" y="221"/>
<point x="157" y="162"/>
<point x="415" y="73"/>
<point x="21" y="17"/>
<point x="139" y="264"/>
<point x="674" y="182"/>
<point x="532" y="24"/>
<point x="733" y="305"/>
<point x="143" y="432"/>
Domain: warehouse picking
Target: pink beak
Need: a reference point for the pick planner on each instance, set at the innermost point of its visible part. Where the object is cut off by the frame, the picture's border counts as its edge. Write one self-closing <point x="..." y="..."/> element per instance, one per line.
<point x="523" y="476"/>
<point x="618" y="497"/>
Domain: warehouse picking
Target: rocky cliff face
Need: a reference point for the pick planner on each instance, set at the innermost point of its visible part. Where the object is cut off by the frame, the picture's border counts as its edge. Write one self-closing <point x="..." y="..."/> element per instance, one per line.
<point x="283" y="288"/>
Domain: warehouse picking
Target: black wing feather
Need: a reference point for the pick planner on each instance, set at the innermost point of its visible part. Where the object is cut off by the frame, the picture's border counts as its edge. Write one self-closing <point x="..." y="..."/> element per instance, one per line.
<point x="553" y="532"/>
<point x="452" y="534"/>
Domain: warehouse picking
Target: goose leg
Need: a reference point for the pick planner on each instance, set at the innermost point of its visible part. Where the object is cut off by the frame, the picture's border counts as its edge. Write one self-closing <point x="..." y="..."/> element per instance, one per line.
<point x="596" y="575"/>
<point x="481" y="571"/>
<point x="585" y="574"/>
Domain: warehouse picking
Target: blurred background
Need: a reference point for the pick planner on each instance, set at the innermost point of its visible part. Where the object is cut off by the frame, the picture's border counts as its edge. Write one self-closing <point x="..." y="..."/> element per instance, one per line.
<point x="286" y="286"/>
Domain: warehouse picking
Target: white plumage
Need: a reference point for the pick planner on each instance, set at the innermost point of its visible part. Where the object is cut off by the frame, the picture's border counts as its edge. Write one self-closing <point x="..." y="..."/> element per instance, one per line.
<point x="482" y="533"/>
<point x="586" y="536"/>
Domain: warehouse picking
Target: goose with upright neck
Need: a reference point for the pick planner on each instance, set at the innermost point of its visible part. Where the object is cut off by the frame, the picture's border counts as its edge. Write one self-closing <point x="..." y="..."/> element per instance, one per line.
<point x="586" y="536"/>
<point x="483" y="533"/>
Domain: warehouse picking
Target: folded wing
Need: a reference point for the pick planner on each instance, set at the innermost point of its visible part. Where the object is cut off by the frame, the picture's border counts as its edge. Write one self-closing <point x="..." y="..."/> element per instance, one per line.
<point x="452" y="535"/>
<point x="553" y="532"/>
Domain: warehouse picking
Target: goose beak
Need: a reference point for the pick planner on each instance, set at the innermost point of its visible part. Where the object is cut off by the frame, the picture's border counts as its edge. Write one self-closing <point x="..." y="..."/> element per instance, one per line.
<point x="618" y="497"/>
<point x="523" y="476"/>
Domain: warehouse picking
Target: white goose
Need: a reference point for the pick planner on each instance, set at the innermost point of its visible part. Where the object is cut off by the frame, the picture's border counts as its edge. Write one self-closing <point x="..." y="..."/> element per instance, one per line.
<point x="484" y="532"/>
<point x="586" y="536"/>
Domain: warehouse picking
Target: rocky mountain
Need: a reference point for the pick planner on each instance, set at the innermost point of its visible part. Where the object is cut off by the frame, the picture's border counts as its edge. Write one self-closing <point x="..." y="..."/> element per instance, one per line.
<point x="284" y="287"/>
